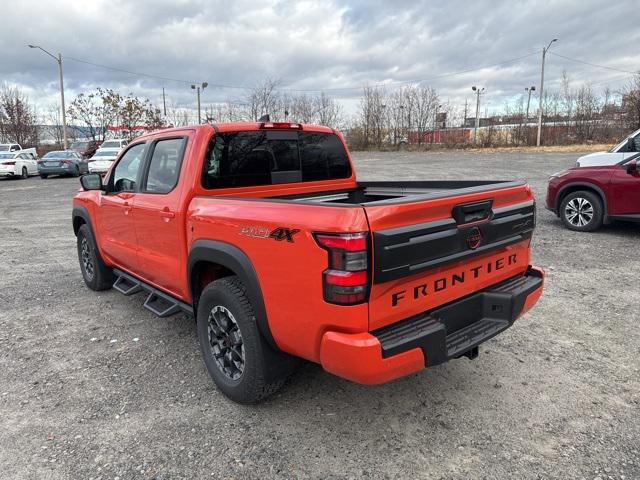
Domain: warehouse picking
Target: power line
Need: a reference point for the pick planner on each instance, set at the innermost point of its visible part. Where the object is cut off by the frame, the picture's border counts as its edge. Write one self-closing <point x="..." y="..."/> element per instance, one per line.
<point x="592" y="64"/>
<point x="149" y="75"/>
<point x="333" y="89"/>
<point x="402" y="82"/>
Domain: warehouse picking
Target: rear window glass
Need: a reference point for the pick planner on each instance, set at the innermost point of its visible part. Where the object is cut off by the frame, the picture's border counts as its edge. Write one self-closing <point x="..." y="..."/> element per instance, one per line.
<point x="243" y="159"/>
<point x="164" y="168"/>
<point x="105" y="154"/>
<point x="55" y="155"/>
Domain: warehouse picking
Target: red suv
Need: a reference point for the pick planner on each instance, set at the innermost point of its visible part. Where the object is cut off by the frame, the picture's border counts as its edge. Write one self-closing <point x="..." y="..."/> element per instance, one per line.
<point x="586" y="197"/>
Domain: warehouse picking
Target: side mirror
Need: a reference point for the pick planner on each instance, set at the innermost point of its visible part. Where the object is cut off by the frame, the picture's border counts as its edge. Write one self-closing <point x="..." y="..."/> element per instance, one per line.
<point x="91" y="181"/>
<point x="632" y="167"/>
<point x="631" y="144"/>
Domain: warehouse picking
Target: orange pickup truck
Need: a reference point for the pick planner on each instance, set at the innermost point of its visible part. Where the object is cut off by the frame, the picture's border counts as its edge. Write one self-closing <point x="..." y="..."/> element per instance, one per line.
<point x="262" y="233"/>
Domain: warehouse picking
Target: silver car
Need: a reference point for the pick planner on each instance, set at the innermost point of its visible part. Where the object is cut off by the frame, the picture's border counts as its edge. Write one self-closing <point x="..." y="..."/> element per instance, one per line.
<point x="62" y="162"/>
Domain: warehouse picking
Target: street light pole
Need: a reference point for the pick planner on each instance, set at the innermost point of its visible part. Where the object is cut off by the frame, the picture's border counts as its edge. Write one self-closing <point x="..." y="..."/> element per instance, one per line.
<point x="529" y="89"/>
<point x="58" y="59"/>
<point x="478" y="91"/>
<point x="197" y="88"/>
<point x="544" y="54"/>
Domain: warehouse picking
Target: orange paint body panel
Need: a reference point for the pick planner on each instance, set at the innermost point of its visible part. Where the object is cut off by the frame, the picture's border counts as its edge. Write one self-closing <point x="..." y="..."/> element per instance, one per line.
<point x="358" y="358"/>
<point x="274" y="227"/>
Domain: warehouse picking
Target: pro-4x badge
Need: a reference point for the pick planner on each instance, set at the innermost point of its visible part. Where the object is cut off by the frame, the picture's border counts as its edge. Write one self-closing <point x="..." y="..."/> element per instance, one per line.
<point x="281" y="233"/>
<point x="278" y="234"/>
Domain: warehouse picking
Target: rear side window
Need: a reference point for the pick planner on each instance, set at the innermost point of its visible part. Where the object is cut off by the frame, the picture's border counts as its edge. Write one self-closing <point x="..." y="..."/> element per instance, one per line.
<point x="244" y="159"/>
<point x="164" y="168"/>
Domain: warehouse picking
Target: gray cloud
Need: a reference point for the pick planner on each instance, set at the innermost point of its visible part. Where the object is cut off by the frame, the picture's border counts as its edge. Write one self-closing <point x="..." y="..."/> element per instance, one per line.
<point x="314" y="45"/>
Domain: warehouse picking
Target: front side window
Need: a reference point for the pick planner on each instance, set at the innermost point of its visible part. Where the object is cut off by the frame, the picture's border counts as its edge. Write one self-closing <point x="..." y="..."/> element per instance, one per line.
<point x="164" y="168"/>
<point x="243" y="159"/>
<point x="125" y="174"/>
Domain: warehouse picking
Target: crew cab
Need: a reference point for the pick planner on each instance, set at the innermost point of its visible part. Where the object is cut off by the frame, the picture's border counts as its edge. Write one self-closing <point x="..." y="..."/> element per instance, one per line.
<point x="586" y="197"/>
<point x="262" y="232"/>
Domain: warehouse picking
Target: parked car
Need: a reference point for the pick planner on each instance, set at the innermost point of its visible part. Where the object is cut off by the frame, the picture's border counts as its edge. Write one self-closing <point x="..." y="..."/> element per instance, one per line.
<point x="622" y="151"/>
<point x="16" y="147"/>
<point x="117" y="143"/>
<point x="19" y="163"/>
<point x="62" y="162"/>
<point x="262" y="231"/>
<point x="86" y="149"/>
<point x="102" y="160"/>
<point x="586" y="197"/>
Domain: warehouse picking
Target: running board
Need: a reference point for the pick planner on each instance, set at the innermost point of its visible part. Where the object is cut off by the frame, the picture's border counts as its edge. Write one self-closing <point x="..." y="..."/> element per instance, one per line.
<point x="157" y="302"/>
<point x="127" y="285"/>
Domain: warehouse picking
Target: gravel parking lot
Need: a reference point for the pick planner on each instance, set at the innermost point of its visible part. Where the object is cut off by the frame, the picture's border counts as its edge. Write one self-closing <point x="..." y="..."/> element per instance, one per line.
<point x="94" y="386"/>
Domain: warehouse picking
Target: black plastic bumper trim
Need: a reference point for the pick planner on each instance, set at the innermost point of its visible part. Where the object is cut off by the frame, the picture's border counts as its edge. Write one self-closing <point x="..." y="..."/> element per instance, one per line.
<point x="451" y="330"/>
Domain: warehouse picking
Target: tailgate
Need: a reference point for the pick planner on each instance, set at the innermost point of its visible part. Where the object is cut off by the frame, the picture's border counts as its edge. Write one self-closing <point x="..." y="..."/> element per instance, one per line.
<point x="433" y="249"/>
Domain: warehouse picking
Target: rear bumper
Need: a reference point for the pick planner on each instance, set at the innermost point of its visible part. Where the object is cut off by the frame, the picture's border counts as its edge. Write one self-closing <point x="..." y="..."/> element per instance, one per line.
<point x="61" y="170"/>
<point x="98" y="169"/>
<point x="431" y="338"/>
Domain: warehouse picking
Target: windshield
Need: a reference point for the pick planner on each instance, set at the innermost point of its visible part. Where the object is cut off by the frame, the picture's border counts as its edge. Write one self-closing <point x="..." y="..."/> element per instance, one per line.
<point x="111" y="144"/>
<point x="618" y="146"/>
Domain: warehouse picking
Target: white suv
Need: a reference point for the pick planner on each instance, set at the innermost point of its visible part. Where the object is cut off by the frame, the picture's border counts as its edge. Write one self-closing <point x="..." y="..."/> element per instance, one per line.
<point x="626" y="148"/>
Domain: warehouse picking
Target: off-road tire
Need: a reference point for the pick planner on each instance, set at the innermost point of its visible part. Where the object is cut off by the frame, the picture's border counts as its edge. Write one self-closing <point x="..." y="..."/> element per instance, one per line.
<point x="582" y="211"/>
<point x="264" y="369"/>
<point x="100" y="277"/>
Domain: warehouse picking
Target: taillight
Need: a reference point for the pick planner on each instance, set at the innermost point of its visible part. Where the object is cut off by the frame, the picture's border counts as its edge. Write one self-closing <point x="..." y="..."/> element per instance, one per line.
<point x="8" y="163"/>
<point x="346" y="281"/>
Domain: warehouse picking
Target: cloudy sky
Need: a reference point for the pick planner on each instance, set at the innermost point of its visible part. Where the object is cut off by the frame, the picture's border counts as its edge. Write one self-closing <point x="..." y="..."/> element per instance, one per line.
<point x="332" y="46"/>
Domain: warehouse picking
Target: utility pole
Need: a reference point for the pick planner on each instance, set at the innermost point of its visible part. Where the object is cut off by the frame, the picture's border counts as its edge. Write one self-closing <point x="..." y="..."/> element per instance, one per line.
<point x="544" y="54"/>
<point x="197" y="88"/>
<point x="478" y="91"/>
<point x="58" y="59"/>
<point x="164" y="103"/>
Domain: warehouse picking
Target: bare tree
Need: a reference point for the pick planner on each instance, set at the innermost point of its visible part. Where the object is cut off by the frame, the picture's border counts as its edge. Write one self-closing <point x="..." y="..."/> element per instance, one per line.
<point x="96" y="111"/>
<point x="328" y="111"/>
<point x="631" y="103"/>
<point x="133" y="113"/>
<point x="17" y="117"/>
<point x="264" y="99"/>
<point x="53" y="125"/>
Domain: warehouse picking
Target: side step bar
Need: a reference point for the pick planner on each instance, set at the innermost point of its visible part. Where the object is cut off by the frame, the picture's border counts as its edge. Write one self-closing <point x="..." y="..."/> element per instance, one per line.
<point x="157" y="302"/>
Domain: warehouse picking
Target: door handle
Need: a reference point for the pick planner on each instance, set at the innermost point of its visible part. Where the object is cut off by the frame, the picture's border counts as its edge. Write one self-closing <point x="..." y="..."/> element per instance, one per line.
<point x="167" y="214"/>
